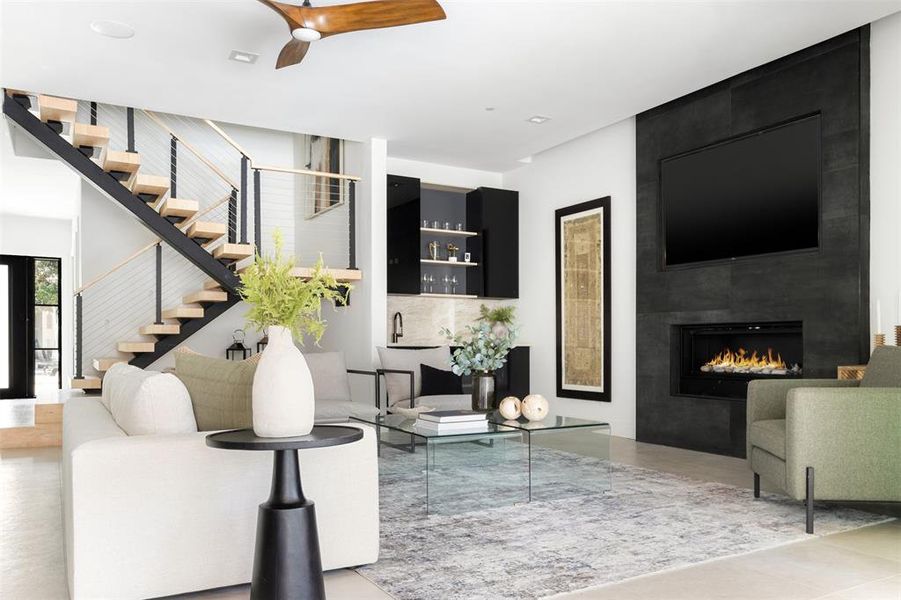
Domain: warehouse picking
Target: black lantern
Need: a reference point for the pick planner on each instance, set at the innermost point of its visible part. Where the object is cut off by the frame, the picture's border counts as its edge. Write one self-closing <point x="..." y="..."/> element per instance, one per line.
<point x="261" y="345"/>
<point x="231" y="353"/>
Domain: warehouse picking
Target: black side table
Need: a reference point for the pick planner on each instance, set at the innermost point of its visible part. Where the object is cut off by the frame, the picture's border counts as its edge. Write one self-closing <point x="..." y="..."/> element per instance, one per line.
<point x="286" y="561"/>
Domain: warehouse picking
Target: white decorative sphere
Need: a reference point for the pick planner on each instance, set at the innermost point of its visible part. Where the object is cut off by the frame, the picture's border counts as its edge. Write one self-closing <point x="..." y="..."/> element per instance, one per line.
<point x="534" y="407"/>
<point x="510" y="408"/>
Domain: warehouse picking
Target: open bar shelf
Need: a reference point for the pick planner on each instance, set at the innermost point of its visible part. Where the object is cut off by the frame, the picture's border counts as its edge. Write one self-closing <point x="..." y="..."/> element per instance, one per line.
<point x="459" y="263"/>
<point x="452" y="232"/>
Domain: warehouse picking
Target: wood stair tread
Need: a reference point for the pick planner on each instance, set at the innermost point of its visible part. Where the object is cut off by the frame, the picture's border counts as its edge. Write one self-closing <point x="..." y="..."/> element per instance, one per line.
<point x="104" y="364"/>
<point x="87" y="383"/>
<point x="206" y="230"/>
<point x="184" y="312"/>
<point x="95" y="136"/>
<point x="338" y="274"/>
<point x="151" y="185"/>
<point x="212" y="284"/>
<point x="205" y="296"/>
<point x="121" y="162"/>
<point x="178" y="207"/>
<point x="57" y="109"/>
<point x="136" y="347"/>
<point x="233" y="251"/>
<point x="160" y="329"/>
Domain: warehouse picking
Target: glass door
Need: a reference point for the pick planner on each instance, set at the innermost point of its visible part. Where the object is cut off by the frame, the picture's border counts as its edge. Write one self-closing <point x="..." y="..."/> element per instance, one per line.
<point x="47" y="330"/>
<point x="16" y="371"/>
<point x="30" y="331"/>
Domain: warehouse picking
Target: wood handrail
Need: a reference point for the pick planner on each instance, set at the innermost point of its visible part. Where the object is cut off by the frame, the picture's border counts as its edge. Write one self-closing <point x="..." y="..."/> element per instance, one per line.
<point x="228" y="139"/>
<point x="182" y="226"/>
<point x="115" y="268"/>
<point x="305" y="172"/>
<point x="254" y="165"/>
<point x="193" y="151"/>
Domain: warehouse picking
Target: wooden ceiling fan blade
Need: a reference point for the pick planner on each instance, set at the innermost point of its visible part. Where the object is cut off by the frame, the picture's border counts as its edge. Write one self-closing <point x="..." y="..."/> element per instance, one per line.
<point x="288" y="12"/>
<point x="292" y="54"/>
<point x="344" y="18"/>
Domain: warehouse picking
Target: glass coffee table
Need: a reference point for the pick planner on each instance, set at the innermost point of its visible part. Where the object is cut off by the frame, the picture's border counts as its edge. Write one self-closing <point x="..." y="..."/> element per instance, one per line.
<point x="461" y="471"/>
<point x="567" y="456"/>
<point x="511" y="462"/>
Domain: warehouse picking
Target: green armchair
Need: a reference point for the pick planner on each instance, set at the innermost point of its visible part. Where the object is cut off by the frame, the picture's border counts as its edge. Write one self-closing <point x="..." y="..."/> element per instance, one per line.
<point x="847" y="433"/>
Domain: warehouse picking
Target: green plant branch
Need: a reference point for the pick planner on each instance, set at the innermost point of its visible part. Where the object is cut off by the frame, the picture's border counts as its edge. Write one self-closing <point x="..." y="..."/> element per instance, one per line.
<point x="278" y="298"/>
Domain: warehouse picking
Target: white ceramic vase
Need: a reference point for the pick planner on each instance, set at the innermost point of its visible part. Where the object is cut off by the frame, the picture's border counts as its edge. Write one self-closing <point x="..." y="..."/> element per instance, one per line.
<point x="283" y="402"/>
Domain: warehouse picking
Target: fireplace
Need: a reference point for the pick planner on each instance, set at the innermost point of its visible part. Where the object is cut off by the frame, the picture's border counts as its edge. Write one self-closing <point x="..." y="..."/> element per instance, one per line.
<point x="718" y="360"/>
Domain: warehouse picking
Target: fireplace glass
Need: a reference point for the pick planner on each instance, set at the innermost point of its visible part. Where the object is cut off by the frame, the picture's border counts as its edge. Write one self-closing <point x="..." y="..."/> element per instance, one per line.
<point x="718" y="360"/>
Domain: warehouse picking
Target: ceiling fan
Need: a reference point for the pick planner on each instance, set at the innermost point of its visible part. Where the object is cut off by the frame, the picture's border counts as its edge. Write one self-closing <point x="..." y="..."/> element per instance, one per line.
<point x="308" y="23"/>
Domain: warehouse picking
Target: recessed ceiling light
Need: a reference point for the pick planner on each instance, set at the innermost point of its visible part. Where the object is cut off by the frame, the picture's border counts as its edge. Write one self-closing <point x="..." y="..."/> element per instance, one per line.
<point x="243" y="57"/>
<point x="113" y="29"/>
<point x="538" y="119"/>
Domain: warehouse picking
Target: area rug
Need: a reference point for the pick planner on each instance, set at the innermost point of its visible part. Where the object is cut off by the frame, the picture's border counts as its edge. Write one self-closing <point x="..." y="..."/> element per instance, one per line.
<point x="647" y="521"/>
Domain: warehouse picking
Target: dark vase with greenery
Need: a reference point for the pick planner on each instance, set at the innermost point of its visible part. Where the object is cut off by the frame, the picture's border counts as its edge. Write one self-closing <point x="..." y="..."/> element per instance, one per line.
<point x="483" y="350"/>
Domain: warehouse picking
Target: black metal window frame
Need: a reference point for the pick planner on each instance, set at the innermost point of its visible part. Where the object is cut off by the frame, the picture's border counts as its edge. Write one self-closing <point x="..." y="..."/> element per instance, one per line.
<point x="59" y="314"/>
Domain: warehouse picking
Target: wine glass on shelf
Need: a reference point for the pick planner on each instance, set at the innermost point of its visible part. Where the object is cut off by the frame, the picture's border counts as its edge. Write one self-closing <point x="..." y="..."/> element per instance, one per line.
<point x="454" y="284"/>
<point x="431" y="283"/>
<point x="446" y="284"/>
<point x="425" y="283"/>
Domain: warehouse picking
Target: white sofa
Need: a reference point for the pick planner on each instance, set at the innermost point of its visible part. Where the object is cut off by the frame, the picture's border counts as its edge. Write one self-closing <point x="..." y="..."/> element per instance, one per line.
<point x="157" y="515"/>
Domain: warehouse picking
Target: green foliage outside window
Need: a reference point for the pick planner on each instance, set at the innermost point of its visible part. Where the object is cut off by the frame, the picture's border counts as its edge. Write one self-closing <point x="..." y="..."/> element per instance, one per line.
<point x="46" y="282"/>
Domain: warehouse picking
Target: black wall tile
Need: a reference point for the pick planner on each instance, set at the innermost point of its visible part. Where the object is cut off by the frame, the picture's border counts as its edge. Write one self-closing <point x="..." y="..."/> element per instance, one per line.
<point x="826" y="289"/>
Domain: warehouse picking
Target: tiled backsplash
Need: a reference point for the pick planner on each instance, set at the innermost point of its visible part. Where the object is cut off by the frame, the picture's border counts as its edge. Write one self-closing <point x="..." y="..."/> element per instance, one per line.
<point x="424" y="317"/>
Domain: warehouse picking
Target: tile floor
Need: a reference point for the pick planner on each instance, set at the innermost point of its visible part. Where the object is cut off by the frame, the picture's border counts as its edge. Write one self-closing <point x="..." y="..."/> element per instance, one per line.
<point x="863" y="564"/>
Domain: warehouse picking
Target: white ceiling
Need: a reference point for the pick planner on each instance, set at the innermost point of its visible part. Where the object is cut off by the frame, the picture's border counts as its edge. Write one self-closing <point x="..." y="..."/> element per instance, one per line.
<point x="425" y="88"/>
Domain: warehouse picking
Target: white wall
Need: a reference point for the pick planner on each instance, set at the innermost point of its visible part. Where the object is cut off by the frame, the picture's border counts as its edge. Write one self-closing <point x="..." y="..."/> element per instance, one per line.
<point x="445" y="175"/>
<point x="34" y="185"/>
<point x="885" y="172"/>
<point x="52" y="238"/>
<point x="39" y="206"/>
<point x="357" y="329"/>
<point x="593" y="166"/>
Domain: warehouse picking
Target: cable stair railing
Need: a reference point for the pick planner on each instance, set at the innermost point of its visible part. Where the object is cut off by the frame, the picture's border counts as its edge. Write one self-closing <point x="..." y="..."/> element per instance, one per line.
<point x="195" y="231"/>
<point x="203" y="228"/>
<point x="91" y="149"/>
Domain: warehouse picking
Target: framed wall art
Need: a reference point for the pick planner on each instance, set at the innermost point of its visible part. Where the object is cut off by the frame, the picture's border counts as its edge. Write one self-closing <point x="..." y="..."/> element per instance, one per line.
<point x="583" y="300"/>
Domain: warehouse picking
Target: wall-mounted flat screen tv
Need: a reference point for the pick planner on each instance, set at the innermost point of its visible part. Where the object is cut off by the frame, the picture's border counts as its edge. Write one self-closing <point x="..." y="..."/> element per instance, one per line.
<point x="748" y="196"/>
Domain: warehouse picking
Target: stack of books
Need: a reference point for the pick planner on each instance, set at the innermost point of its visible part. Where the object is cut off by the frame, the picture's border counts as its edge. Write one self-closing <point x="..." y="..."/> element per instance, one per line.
<point x="452" y="421"/>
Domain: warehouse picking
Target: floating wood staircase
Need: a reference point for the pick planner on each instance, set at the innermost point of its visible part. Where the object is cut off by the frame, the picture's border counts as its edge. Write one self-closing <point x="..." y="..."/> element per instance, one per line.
<point x="176" y="221"/>
<point x="118" y="173"/>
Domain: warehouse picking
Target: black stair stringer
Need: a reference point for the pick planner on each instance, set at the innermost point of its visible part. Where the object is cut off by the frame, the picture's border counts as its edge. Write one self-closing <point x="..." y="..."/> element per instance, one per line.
<point x="106" y="183"/>
<point x="188" y="328"/>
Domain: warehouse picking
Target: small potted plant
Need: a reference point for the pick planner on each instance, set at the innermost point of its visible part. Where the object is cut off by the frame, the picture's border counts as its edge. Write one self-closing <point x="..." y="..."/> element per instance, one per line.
<point x="483" y="350"/>
<point x="285" y="307"/>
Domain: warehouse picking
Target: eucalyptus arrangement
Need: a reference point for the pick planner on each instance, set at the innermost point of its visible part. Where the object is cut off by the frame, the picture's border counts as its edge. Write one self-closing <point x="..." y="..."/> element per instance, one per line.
<point x="285" y="306"/>
<point x="480" y="348"/>
<point x="483" y="349"/>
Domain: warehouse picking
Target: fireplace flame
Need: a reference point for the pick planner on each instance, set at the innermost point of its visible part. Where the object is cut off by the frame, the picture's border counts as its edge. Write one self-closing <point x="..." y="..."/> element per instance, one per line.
<point x="742" y="360"/>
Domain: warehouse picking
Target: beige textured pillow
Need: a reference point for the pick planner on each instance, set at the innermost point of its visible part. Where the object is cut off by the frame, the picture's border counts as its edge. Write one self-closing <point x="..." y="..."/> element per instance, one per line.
<point x="220" y="389"/>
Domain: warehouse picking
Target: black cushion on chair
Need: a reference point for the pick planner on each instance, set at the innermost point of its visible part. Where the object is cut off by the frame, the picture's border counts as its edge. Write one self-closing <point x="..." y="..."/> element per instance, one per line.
<point x="437" y="382"/>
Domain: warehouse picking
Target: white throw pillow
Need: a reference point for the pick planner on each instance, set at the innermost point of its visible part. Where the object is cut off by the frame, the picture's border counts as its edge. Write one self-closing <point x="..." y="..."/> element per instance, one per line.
<point x="148" y="402"/>
<point x="329" y="372"/>
<point x="398" y="385"/>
